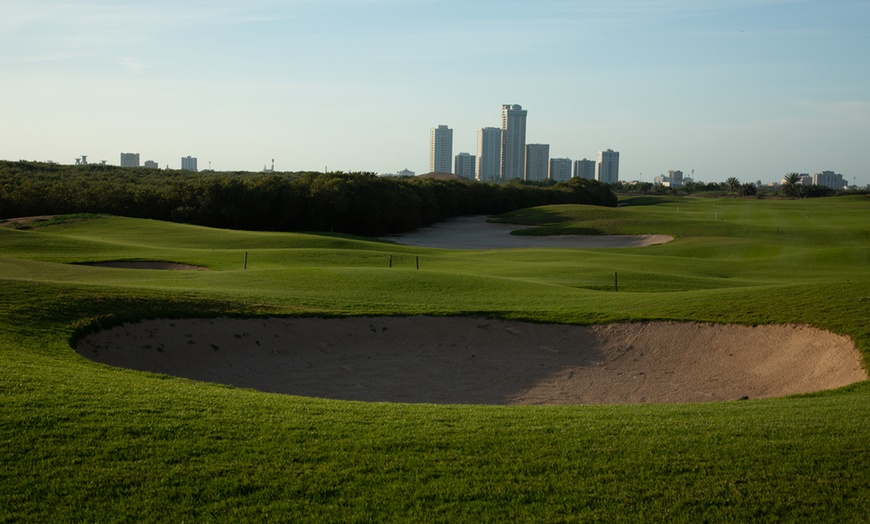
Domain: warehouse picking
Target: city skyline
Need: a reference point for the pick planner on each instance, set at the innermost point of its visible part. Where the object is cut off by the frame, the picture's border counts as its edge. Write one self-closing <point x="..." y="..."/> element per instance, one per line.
<point x="747" y="88"/>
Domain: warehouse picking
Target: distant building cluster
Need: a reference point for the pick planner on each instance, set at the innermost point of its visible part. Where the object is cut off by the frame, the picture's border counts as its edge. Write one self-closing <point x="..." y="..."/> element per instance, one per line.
<point x="132" y="160"/>
<point x="188" y="163"/>
<point x="825" y="178"/>
<point x="503" y="155"/>
<point x="674" y="178"/>
<point x="403" y="172"/>
<point x="83" y="161"/>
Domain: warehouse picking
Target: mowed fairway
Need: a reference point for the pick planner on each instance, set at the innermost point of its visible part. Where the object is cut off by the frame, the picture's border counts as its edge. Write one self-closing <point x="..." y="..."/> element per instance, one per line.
<point x="82" y="441"/>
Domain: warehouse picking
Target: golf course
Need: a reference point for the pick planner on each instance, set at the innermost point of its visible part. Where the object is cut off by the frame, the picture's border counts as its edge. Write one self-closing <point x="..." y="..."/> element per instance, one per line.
<point x="85" y="438"/>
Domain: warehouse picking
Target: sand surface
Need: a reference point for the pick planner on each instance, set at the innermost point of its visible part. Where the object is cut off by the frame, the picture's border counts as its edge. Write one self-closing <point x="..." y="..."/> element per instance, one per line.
<point x="23" y="222"/>
<point x="474" y="232"/>
<point x="466" y="360"/>
<point x="124" y="264"/>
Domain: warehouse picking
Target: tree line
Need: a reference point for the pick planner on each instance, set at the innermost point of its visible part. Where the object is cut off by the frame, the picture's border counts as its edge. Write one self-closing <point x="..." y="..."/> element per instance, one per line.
<point x="354" y="203"/>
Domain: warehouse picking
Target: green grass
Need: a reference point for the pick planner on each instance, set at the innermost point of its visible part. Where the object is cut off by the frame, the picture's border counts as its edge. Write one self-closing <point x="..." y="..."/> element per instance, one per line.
<point x="80" y="441"/>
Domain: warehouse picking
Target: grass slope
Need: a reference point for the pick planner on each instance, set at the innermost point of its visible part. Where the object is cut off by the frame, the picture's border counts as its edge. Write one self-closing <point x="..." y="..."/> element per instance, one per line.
<point x="81" y="441"/>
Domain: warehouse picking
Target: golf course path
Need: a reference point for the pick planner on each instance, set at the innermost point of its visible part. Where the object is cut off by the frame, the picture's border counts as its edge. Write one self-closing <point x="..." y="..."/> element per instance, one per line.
<point x="463" y="360"/>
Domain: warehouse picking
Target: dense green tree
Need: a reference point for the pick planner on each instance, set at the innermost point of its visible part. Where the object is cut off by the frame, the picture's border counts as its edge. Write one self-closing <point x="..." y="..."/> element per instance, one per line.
<point x="815" y="191"/>
<point x="791" y="184"/>
<point x="359" y="203"/>
<point x="733" y="184"/>
<point x="748" y="190"/>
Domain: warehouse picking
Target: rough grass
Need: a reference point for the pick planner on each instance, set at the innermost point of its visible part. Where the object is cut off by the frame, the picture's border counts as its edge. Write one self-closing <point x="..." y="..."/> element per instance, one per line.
<point x="80" y="441"/>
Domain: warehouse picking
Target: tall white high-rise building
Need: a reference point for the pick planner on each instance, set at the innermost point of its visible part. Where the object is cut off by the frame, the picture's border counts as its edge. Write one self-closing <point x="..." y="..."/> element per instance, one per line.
<point x="537" y="161"/>
<point x="584" y="169"/>
<point x="560" y="169"/>
<point x="488" y="154"/>
<point x="513" y="142"/>
<point x="440" y="149"/>
<point x="463" y="165"/>
<point x="188" y="163"/>
<point x="608" y="167"/>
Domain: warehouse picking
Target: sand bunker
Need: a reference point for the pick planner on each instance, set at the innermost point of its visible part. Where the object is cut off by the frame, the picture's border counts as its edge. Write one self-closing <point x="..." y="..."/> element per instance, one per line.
<point x="171" y="266"/>
<point x="484" y="361"/>
<point x="474" y="232"/>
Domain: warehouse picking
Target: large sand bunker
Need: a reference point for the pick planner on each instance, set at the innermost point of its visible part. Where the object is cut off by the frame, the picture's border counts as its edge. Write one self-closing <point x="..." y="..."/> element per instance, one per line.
<point x="483" y="361"/>
<point x="474" y="232"/>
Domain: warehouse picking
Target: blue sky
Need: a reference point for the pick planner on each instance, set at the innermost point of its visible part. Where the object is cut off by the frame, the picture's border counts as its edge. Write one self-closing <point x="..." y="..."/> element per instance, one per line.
<point x="752" y="89"/>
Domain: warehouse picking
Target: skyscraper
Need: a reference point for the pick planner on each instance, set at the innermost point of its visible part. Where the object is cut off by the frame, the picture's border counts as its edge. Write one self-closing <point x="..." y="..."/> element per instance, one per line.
<point x="440" y="149"/>
<point x="488" y="154"/>
<point x="463" y="165"/>
<point x="537" y="160"/>
<point x="560" y="169"/>
<point x="608" y="167"/>
<point x="584" y="169"/>
<point x="513" y="142"/>
<point x="129" y="159"/>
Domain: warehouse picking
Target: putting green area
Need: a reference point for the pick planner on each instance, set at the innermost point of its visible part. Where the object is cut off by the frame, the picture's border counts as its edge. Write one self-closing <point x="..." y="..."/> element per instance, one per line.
<point x="90" y="440"/>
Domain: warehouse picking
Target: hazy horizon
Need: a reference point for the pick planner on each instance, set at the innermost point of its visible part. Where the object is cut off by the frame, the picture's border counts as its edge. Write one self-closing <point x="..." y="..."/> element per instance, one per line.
<point x="747" y="88"/>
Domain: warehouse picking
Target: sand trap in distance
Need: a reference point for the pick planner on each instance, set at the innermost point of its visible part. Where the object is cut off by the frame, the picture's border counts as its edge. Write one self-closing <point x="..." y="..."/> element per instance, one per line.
<point x="145" y="264"/>
<point x="474" y="232"/>
<point x="461" y="360"/>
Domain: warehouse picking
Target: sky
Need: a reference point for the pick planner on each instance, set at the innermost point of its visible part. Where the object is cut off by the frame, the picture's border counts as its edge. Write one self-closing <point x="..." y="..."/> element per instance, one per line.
<point x="752" y="89"/>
